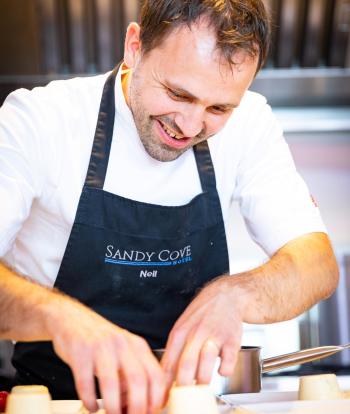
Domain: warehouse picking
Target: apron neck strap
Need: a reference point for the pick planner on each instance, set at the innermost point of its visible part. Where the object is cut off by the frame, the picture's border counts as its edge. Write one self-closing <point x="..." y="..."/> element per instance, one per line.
<point x="205" y="167"/>
<point x="103" y="135"/>
<point x="101" y="147"/>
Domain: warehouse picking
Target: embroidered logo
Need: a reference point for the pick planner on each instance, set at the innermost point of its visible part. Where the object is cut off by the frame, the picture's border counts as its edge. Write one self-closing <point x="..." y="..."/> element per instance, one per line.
<point x="165" y="257"/>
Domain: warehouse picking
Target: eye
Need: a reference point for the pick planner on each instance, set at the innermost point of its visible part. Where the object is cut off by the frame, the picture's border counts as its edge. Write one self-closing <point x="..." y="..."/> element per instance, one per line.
<point x="176" y="96"/>
<point x="219" y="110"/>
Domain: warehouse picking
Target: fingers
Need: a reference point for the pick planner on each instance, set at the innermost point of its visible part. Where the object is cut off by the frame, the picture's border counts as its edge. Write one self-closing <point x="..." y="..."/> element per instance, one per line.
<point x="197" y="361"/>
<point x="171" y="357"/>
<point x="191" y="354"/>
<point x="122" y="362"/>
<point x="187" y="369"/>
<point x="156" y="377"/>
<point x="127" y="372"/>
<point x="107" y="373"/>
<point x="194" y="362"/>
<point x="154" y="374"/>
<point x="133" y="368"/>
<point x="230" y="351"/>
<point x="207" y="360"/>
<point x="85" y="384"/>
<point x="136" y="384"/>
<point x="229" y="356"/>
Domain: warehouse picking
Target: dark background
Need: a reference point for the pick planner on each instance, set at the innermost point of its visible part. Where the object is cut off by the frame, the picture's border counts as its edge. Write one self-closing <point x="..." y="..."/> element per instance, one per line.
<point x="42" y="40"/>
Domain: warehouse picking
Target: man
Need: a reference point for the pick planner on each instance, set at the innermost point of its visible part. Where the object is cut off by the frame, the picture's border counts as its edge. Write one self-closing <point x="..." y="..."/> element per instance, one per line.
<point x="128" y="222"/>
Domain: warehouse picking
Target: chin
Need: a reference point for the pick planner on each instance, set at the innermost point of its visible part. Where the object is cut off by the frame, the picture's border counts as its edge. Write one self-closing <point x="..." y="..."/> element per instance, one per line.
<point x="163" y="154"/>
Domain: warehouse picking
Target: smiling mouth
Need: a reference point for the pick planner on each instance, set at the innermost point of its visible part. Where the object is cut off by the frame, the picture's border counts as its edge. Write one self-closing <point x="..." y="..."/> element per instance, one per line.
<point x="170" y="138"/>
<point x="171" y="133"/>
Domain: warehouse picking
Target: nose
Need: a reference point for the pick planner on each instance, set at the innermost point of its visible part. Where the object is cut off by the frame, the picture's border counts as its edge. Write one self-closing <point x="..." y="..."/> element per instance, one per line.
<point x="191" y="122"/>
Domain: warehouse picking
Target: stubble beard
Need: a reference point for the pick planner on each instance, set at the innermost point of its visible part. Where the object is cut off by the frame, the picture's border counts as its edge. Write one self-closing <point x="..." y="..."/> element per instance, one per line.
<point x="145" y="125"/>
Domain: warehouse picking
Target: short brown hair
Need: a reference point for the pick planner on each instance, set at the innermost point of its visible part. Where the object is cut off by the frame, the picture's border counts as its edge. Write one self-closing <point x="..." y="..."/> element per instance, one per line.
<point x="239" y="24"/>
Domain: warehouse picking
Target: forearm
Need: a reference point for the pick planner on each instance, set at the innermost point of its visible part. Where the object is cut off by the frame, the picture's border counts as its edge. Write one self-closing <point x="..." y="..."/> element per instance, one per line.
<point x="88" y="343"/>
<point x="25" y="307"/>
<point x="299" y="275"/>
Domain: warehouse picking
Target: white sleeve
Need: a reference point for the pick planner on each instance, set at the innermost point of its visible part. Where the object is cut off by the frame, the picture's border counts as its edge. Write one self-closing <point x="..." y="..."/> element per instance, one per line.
<point x="274" y="200"/>
<point x="21" y="167"/>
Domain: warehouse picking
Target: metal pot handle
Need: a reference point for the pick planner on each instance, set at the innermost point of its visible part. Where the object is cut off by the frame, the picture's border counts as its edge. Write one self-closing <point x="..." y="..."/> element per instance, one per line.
<point x="300" y="357"/>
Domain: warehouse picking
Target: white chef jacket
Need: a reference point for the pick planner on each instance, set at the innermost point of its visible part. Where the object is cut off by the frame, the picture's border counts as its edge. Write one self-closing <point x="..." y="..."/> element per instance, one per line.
<point x="46" y="138"/>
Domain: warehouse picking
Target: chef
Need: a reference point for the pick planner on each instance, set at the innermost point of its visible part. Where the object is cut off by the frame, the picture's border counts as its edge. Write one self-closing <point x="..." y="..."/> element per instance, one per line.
<point x="116" y="192"/>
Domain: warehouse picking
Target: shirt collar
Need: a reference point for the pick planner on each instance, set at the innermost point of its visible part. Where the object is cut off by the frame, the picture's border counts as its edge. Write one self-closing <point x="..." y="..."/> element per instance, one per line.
<point x="121" y="106"/>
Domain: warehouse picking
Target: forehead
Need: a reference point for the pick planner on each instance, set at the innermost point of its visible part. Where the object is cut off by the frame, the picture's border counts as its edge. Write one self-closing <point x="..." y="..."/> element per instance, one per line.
<point x="189" y="57"/>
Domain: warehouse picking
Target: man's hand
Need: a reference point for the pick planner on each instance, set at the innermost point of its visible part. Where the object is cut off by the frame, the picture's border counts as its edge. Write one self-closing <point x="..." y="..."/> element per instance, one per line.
<point x="300" y="274"/>
<point x="127" y="372"/>
<point x="211" y="326"/>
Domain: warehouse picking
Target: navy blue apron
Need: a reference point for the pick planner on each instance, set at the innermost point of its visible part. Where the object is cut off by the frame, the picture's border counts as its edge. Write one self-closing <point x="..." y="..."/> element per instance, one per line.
<point x="137" y="264"/>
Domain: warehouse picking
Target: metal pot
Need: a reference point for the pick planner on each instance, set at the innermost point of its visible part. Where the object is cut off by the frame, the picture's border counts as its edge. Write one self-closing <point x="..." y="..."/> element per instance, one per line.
<point x="249" y="367"/>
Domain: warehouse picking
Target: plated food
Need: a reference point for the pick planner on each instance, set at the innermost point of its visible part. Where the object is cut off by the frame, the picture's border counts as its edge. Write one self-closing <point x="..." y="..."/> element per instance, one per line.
<point x="319" y="394"/>
<point x="319" y="387"/>
<point x="34" y="399"/>
<point x="192" y="399"/>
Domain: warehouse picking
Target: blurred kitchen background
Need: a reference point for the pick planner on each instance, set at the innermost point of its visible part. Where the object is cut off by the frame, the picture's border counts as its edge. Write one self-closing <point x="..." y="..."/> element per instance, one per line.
<point x="307" y="82"/>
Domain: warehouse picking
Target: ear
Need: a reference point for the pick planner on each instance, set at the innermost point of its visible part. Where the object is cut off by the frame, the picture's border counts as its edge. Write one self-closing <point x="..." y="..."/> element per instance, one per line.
<point x="132" y="46"/>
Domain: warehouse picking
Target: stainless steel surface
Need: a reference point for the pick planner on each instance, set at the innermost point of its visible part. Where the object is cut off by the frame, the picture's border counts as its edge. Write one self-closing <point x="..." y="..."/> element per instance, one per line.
<point x="74" y="37"/>
<point x="304" y="87"/>
<point x="315" y="32"/>
<point x="300" y="357"/>
<point x="287" y="38"/>
<point x="246" y="377"/>
<point x="249" y="367"/>
<point x="340" y="33"/>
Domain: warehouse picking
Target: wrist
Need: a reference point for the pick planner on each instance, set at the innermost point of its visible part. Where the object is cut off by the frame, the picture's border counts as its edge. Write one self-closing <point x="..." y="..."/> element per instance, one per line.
<point x="239" y="291"/>
<point x="53" y="311"/>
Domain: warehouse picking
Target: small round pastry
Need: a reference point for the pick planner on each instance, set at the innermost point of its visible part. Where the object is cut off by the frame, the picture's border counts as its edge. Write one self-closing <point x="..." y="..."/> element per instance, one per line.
<point x="319" y="387"/>
<point x="192" y="399"/>
<point x="31" y="399"/>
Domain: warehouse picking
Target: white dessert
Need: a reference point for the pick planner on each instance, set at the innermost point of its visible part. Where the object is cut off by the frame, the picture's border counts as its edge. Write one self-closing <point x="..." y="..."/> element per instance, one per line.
<point x="33" y="399"/>
<point x="319" y="387"/>
<point x="192" y="399"/>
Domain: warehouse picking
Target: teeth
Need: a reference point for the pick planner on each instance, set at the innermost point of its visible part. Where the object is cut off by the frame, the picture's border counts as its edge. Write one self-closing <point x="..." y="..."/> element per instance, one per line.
<point x="171" y="133"/>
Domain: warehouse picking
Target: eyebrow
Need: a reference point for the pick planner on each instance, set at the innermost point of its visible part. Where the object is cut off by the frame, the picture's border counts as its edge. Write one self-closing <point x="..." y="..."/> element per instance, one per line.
<point x="189" y="95"/>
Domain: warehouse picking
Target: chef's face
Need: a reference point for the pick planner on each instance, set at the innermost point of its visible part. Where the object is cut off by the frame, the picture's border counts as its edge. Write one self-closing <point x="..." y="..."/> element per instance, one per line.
<point x="183" y="91"/>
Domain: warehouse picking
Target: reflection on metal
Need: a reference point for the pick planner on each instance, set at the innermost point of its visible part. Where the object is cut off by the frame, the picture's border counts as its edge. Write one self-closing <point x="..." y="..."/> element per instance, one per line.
<point x="299" y="87"/>
<point x="104" y="34"/>
<point x="327" y="123"/>
<point x="77" y="39"/>
<point x="49" y="35"/>
<point x="131" y="10"/>
<point x="74" y="37"/>
<point x="83" y="36"/>
<point x="341" y="33"/>
<point x="311" y="33"/>
<point x="287" y="33"/>
<point x="311" y="53"/>
<point x="272" y="10"/>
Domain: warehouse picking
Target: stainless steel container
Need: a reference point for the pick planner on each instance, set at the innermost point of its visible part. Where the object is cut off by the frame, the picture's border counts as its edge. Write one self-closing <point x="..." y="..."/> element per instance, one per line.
<point x="249" y="367"/>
